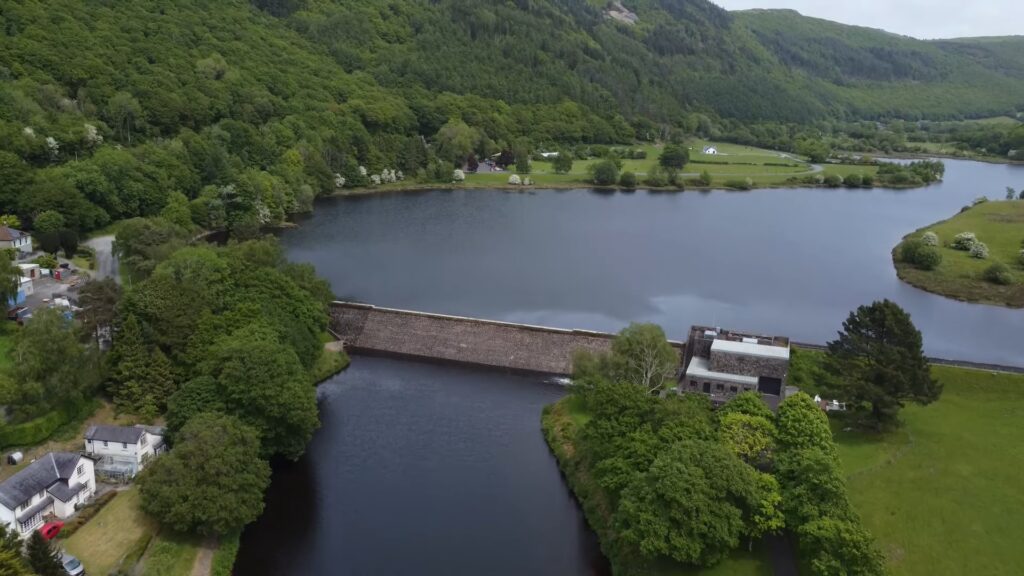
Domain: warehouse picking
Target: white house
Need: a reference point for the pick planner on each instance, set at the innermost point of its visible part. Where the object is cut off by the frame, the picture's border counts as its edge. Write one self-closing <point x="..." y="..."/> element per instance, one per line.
<point x="711" y="150"/>
<point x="123" y="450"/>
<point x="11" y="238"/>
<point x="53" y="484"/>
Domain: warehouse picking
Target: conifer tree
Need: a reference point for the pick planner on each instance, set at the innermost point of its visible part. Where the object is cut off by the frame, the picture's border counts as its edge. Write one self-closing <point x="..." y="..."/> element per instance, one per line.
<point x="43" y="558"/>
<point x="131" y="365"/>
<point x="160" y="380"/>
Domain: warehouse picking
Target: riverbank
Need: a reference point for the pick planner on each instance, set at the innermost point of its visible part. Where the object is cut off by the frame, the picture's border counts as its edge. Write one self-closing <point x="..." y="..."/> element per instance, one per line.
<point x="997" y="224"/>
<point x="561" y="424"/>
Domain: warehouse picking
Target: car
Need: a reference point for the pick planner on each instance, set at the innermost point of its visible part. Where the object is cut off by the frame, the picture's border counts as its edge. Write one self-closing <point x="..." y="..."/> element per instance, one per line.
<point x="73" y="566"/>
<point x="19" y="314"/>
<point x="51" y="529"/>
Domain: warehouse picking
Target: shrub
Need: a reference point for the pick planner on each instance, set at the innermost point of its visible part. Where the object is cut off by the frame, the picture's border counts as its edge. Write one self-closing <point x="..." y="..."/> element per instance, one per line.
<point x="458" y="175"/>
<point x="605" y="173"/>
<point x="739" y="184"/>
<point x="853" y="181"/>
<point x="85" y="513"/>
<point x="46" y="261"/>
<point x="979" y="251"/>
<point x="833" y="180"/>
<point x="705" y="178"/>
<point x="998" y="273"/>
<point x="627" y="180"/>
<point x="964" y="241"/>
<point x="979" y="200"/>
<point x="930" y="238"/>
<point x="514" y="180"/>
<point x="657" y="177"/>
<point x="920" y="254"/>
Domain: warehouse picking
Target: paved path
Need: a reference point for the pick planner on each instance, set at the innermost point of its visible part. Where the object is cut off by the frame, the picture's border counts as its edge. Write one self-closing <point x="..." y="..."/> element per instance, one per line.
<point x="106" y="262"/>
<point x="204" y="560"/>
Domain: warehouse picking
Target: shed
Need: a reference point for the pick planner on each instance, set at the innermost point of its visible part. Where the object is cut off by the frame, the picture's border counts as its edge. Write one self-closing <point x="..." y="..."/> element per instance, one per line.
<point x="15" y="458"/>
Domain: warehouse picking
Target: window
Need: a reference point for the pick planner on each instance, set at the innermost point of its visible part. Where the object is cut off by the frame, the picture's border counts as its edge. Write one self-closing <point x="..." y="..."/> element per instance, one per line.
<point x="143" y="440"/>
<point x="720" y="387"/>
<point x="81" y="469"/>
<point x="105" y="444"/>
<point x="732" y="389"/>
<point x="124" y="445"/>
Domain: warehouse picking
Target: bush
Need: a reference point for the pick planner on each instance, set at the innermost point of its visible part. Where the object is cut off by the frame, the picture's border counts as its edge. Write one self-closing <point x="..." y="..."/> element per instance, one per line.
<point x="998" y="273"/>
<point x="627" y="180"/>
<point x="853" y="181"/>
<point x="964" y="241"/>
<point x="458" y="175"/>
<point x="705" y="178"/>
<point x="739" y="184"/>
<point x="605" y="173"/>
<point x="930" y="239"/>
<point x="979" y="251"/>
<point x="657" y="177"/>
<point x="224" y="557"/>
<point x="85" y="513"/>
<point x="979" y="200"/>
<point x="833" y="180"/>
<point x="920" y="254"/>
<point x="514" y="180"/>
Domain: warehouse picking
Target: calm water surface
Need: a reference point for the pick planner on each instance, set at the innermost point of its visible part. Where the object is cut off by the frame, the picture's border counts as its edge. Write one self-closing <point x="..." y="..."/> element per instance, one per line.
<point x="786" y="261"/>
<point x="422" y="469"/>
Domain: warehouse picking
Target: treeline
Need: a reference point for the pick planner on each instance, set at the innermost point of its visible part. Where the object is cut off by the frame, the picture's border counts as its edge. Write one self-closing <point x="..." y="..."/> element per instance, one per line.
<point x="667" y="481"/>
<point x="107" y="111"/>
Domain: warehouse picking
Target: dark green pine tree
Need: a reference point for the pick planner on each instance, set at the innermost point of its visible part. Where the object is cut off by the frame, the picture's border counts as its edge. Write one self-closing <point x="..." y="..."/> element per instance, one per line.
<point x="160" y="382"/>
<point x="130" y="365"/>
<point x="43" y="558"/>
<point x="879" y="364"/>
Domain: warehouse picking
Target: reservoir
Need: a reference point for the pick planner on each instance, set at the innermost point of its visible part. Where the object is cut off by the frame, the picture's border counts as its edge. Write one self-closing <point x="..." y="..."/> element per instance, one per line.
<point x="437" y="470"/>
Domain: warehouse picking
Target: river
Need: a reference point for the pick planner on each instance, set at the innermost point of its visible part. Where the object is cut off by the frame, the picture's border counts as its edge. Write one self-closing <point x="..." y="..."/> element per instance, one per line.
<point x="422" y="469"/>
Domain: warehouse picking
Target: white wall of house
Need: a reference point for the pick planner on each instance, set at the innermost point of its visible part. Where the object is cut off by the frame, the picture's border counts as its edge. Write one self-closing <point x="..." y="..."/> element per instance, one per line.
<point x="23" y="244"/>
<point x="137" y="453"/>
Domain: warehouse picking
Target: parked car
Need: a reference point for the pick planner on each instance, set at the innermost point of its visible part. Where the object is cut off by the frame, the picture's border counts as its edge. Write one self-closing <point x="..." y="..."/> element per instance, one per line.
<point x="19" y="314"/>
<point x="51" y="529"/>
<point x="73" y="566"/>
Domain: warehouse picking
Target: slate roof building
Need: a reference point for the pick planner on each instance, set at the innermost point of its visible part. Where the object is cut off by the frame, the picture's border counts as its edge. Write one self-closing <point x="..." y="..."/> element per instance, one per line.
<point x="121" y="452"/>
<point x="52" y="485"/>
<point x="11" y="238"/>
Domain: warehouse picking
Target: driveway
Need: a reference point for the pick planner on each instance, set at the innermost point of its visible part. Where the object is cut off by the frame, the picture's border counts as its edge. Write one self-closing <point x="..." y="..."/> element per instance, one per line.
<point x="106" y="262"/>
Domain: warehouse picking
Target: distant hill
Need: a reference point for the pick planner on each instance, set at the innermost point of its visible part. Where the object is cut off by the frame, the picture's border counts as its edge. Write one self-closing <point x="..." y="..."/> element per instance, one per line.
<point x="108" y="107"/>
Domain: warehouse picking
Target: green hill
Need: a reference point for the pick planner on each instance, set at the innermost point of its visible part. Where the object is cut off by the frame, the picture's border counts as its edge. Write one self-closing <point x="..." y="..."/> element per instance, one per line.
<point x="250" y="110"/>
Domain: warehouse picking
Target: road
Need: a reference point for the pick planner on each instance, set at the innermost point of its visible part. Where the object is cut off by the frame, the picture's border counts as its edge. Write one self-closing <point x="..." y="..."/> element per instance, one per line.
<point x="106" y="262"/>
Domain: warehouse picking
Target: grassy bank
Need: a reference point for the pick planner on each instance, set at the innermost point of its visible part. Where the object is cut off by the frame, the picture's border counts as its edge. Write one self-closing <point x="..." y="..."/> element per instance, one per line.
<point x="1000" y="225"/>
<point x="561" y="422"/>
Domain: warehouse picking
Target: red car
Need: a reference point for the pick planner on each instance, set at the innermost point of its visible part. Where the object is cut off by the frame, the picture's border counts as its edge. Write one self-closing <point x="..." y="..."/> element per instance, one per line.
<point x="51" y="529"/>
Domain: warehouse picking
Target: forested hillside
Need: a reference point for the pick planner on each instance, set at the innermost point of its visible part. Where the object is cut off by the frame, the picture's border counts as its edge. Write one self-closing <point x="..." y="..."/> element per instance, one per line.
<point x="252" y="109"/>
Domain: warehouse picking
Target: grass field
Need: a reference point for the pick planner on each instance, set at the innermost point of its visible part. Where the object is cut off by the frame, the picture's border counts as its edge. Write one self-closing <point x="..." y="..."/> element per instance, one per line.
<point x="108" y="537"/>
<point x="739" y="158"/>
<point x="1000" y="225"/>
<point x="943" y="494"/>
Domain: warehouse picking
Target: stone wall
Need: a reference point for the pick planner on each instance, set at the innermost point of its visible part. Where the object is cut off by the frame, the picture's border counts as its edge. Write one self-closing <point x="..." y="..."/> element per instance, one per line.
<point x="748" y="365"/>
<point x="520" y="347"/>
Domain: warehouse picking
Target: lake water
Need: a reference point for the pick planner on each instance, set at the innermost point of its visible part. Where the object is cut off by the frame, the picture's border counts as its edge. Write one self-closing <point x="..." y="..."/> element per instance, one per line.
<point x="424" y="469"/>
<point x="793" y="262"/>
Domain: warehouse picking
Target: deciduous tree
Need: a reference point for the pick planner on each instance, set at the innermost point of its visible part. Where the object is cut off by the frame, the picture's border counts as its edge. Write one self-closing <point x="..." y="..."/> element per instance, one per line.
<point x="642" y="356"/>
<point x="212" y="482"/>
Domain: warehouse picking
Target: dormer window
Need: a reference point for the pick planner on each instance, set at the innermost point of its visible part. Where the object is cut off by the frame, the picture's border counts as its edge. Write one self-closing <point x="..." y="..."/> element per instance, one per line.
<point x="81" y="469"/>
<point x="143" y="440"/>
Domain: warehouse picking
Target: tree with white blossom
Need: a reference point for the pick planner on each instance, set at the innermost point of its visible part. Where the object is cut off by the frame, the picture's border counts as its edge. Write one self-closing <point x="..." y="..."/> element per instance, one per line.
<point x="53" y="146"/>
<point x="514" y="180"/>
<point x="375" y="179"/>
<point x="458" y="175"/>
<point x="339" y="180"/>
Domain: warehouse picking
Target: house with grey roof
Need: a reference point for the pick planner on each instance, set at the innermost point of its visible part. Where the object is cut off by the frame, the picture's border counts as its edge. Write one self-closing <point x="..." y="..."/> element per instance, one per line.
<point x="53" y="485"/>
<point x="11" y="238"/>
<point x="121" y="452"/>
<point x="724" y="363"/>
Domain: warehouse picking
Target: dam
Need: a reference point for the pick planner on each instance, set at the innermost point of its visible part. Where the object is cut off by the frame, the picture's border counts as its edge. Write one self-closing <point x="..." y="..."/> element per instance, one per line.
<point x="368" y="329"/>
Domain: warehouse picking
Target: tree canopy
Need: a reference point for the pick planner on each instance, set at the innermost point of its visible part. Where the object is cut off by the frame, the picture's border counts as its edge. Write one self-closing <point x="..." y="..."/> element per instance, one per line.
<point x="878" y="363"/>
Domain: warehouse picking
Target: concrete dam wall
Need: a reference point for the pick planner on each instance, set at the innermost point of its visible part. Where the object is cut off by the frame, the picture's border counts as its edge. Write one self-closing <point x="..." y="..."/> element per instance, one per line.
<point x="426" y="336"/>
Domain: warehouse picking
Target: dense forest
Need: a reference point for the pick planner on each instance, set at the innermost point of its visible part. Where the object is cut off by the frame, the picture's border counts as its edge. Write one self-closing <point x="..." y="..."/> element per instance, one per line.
<point x="250" y="110"/>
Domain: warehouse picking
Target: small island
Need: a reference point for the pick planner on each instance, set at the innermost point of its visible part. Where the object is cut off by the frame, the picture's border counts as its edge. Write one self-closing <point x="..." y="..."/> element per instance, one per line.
<point x="975" y="256"/>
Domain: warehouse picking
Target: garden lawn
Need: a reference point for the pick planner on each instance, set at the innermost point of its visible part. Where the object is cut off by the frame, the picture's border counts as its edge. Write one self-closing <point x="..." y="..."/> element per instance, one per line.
<point x="943" y="494"/>
<point x="105" y="539"/>
<point x="1000" y="225"/>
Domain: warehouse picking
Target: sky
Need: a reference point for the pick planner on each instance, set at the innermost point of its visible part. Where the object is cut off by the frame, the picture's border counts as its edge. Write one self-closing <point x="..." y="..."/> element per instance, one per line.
<point x="923" y="19"/>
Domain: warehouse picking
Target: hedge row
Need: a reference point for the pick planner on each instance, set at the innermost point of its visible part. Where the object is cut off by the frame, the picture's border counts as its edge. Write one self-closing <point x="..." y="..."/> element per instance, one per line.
<point x="224" y="557"/>
<point x="85" y="513"/>
<point x="41" y="429"/>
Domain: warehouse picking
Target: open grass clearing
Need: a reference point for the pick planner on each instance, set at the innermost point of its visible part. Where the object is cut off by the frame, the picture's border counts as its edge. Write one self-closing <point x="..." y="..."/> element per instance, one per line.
<point x="104" y="541"/>
<point x="1000" y="225"/>
<point x="170" y="554"/>
<point x="942" y="494"/>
